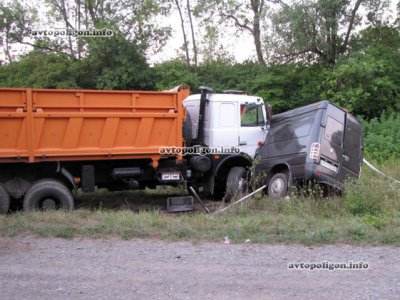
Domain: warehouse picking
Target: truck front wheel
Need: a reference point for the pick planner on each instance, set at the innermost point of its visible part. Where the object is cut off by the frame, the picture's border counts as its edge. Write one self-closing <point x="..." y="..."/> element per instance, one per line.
<point x="4" y="200"/>
<point x="278" y="186"/>
<point x="48" y="194"/>
<point x="236" y="184"/>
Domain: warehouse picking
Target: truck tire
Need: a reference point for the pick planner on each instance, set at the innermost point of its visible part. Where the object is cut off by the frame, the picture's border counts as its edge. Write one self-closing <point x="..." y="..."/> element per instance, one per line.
<point x="235" y="183"/>
<point x="187" y="130"/>
<point x="278" y="186"/>
<point x="48" y="194"/>
<point x="4" y="200"/>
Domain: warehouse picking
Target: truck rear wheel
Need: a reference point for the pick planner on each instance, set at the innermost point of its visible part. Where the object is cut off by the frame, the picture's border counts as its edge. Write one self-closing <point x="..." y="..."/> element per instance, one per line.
<point x="278" y="186"/>
<point x="48" y="194"/>
<point x="236" y="184"/>
<point x="4" y="200"/>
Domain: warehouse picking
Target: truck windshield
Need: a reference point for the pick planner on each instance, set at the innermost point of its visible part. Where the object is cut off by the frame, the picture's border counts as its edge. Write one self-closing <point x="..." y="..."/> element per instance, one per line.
<point x="251" y="116"/>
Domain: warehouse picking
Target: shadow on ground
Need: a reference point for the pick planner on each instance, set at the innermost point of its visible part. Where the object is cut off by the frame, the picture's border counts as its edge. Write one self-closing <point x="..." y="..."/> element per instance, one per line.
<point x="143" y="200"/>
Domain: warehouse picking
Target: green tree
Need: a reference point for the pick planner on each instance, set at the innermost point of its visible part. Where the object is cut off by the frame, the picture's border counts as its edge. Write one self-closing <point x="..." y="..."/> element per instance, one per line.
<point x="175" y="72"/>
<point x="366" y="84"/>
<point x="113" y="63"/>
<point x="15" y="22"/>
<point x="117" y="63"/>
<point x="38" y="69"/>
<point x="246" y="15"/>
<point x="319" y="30"/>
<point x="380" y="36"/>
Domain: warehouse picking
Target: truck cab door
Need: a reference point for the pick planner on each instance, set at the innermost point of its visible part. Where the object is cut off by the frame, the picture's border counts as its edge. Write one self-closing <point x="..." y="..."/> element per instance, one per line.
<point x="352" y="149"/>
<point x="222" y="129"/>
<point x="252" y="128"/>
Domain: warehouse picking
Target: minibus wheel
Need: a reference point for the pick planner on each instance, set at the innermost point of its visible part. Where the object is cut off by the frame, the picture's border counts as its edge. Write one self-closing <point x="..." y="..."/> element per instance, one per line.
<point x="278" y="186"/>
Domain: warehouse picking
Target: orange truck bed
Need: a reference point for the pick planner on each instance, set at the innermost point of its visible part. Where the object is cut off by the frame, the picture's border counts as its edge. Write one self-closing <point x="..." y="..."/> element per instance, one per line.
<point x="56" y="125"/>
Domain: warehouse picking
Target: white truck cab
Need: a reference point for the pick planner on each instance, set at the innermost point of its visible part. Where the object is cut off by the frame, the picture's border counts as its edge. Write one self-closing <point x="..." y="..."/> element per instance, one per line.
<point x="230" y="119"/>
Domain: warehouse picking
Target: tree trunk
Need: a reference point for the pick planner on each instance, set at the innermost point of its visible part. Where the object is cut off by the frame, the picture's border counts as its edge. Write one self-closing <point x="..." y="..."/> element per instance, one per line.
<point x="257" y="7"/>
<point x="68" y="26"/>
<point x="257" y="42"/>
<point x="7" y="49"/>
<point x="78" y="13"/>
<point x="193" y="36"/>
<point x="185" y="43"/>
<point x="350" y="26"/>
<point x="89" y="8"/>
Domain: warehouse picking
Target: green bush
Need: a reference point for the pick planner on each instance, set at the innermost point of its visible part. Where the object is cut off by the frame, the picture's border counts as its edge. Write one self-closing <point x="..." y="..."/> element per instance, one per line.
<point x="382" y="137"/>
<point x="374" y="194"/>
<point x="361" y="199"/>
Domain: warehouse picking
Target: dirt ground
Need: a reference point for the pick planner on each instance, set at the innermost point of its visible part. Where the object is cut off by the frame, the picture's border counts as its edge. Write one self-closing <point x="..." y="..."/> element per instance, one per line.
<point x="39" y="268"/>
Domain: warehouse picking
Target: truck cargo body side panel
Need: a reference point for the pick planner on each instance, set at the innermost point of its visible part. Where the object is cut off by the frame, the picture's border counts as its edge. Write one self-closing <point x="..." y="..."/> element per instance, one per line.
<point x="49" y="125"/>
<point x="13" y="125"/>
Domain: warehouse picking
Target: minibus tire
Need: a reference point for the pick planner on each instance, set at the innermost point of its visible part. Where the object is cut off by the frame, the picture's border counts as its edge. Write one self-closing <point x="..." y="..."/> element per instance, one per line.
<point x="278" y="186"/>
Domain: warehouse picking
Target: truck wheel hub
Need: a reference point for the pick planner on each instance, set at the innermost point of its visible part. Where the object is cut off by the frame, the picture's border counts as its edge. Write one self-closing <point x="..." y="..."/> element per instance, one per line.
<point x="241" y="184"/>
<point x="49" y="204"/>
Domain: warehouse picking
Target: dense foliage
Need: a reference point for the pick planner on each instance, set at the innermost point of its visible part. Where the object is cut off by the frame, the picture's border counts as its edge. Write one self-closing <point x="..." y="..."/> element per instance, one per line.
<point x="382" y="137"/>
<point x="312" y="52"/>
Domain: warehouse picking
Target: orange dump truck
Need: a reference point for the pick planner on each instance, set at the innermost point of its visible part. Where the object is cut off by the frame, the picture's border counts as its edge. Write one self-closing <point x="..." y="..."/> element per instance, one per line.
<point x="55" y="141"/>
<point x="52" y="141"/>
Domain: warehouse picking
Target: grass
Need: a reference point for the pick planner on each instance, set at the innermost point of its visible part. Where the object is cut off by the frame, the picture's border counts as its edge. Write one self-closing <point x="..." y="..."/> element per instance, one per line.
<point x="367" y="214"/>
<point x="243" y="224"/>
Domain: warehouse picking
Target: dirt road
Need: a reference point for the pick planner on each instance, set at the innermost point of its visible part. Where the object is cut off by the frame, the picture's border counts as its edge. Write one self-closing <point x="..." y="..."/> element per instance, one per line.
<point x="37" y="268"/>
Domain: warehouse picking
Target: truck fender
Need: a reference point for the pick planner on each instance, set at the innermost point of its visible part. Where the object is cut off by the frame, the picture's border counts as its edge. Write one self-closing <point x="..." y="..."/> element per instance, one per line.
<point x="241" y="159"/>
<point x="67" y="175"/>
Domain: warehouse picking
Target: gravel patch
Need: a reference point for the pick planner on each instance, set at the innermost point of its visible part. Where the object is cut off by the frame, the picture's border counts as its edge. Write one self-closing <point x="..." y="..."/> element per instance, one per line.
<point x="41" y="268"/>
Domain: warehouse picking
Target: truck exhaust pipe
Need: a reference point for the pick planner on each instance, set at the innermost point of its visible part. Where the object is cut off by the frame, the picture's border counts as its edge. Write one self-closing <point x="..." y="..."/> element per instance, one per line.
<point x="203" y="101"/>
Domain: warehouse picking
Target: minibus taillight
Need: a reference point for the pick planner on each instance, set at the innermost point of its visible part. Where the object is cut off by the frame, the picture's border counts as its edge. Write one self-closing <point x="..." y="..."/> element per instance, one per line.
<point x="314" y="150"/>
